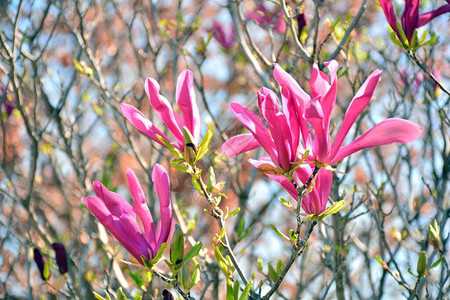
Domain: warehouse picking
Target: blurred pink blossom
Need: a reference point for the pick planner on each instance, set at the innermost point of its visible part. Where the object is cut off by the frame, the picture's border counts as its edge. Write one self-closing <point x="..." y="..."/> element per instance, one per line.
<point x="264" y="18"/>
<point x="223" y="35"/>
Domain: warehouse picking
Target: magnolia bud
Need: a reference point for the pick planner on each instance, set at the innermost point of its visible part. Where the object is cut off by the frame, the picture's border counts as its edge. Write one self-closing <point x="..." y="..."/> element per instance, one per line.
<point x="190" y="149"/>
<point x="40" y="262"/>
<point x="61" y="257"/>
<point x="422" y="263"/>
<point x="211" y="182"/>
<point x="433" y="235"/>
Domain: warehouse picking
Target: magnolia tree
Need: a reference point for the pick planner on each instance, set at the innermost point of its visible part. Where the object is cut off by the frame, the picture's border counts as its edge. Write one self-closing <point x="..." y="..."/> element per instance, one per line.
<point x="271" y="149"/>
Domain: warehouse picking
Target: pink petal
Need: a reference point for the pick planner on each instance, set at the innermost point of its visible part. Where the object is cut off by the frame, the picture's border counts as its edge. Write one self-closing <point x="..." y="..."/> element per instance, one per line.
<point x="278" y="127"/>
<point x="162" y="185"/>
<point x="386" y="132"/>
<point x="239" y="144"/>
<point x="321" y="144"/>
<point x="410" y="17"/>
<point x="144" y="125"/>
<point x="254" y="124"/>
<point x="389" y="13"/>
<point x="293" y="93"/>
<point x="355" y="108"/>
<point x="427" y="17"/>
<point x="329" y="97"/>
<point x="186" y="100"/>
<point x="140" y="207"/>
<point x="319" y="82"/>
<point x="115" y="226"/>
<point x="114" y="202"/>
<point x="163" y="109"/>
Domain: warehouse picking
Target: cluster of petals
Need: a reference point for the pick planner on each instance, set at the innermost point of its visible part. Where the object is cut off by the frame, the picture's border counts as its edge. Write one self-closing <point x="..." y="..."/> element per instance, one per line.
<point x="289" y="132"/>
<point x="264" y="18"/>
<point x="186" y="100"/>
<point x="411" y="19"/>
<point x="133" y="226"/>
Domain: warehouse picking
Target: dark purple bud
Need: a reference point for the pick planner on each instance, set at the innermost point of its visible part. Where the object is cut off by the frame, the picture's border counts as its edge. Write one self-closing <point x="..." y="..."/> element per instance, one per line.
<point x="61" y="257"/>
<point x="301" y="22"/>
<point x="7" y="101"/>
<point x="167" y="295"/>
<point x="40" y="262"/>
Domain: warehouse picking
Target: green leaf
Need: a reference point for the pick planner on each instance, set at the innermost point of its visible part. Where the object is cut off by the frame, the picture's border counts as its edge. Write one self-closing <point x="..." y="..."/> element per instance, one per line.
<point x="221" y="261"/>
<point x="285" y="202"/>
<point x="195" y="278"/>
<point x="272" y="273"/>
<point x="159" y="253"/>
<point x="335" y="208"/>
<point x="178" y="167"/>
<point x="236" y="290"/>
<point x="204" y="145"/>
<point x="97" y="296"/>
<point x="177" y="248"/>
<point x="233" y="213"/>
<point x="184" y="276"/>
<point x="246" y="291"/>
<point x="169" y="146"/>
<point x="192" y="252"/>
<point x="121" y="295"/>
<point x="230" y="294"/>
<point x="279" y="233"/>
<point x="436" y="263"/>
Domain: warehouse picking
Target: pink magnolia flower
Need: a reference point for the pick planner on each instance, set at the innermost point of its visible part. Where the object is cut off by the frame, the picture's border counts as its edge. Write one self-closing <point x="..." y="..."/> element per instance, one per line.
<point x="133" y="226"/>
<point x="411" y="19"/>
<point x="303" y="114"/>
<point x="224" y="36"/>
<point x="265" y="18"/>
<point x="185" y="96"/>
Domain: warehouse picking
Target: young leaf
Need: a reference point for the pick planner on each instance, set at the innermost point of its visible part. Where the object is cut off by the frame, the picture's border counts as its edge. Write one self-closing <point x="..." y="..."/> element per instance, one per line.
<point x="177" y="248"/>
<point x="279" y="233"/>
<point x="204" y="145"/>
<point x="159" y="253"/>
<point x="192" y="252"/>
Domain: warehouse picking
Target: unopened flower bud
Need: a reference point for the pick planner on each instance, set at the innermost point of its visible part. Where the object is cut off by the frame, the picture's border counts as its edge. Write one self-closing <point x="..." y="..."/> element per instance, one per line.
<point x="40" y="262"/>
<point x="61" y="257"/>
<point x="433" y="235"/>
<point x="190" y="149"/>
<point x="211" y="183"/>
<point x="422" y="263"/>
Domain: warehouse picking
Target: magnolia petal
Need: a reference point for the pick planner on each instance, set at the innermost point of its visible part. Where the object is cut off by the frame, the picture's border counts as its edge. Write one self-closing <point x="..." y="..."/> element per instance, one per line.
<point x="389" y="13"/>
<point x="144" y="125"/>
<point x="186" y="100"/>
<point x="162" y="185"/>
<point x="427" y="17"/>
<point x="254" y="124"/>
<point x="386" y="132"/>
<point x="266" y="166"/>
<point x="163" y="108"/>
<point x="359" y="102"/>
<point x="410" y="17"/>
<point x="140" y="207"/>
<point x="292" y="92"/>
<point x="114" y="225"/>
<point x="114" y="202"/>
<point x="239" y="144"/>
<point x="279" y="127"/>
